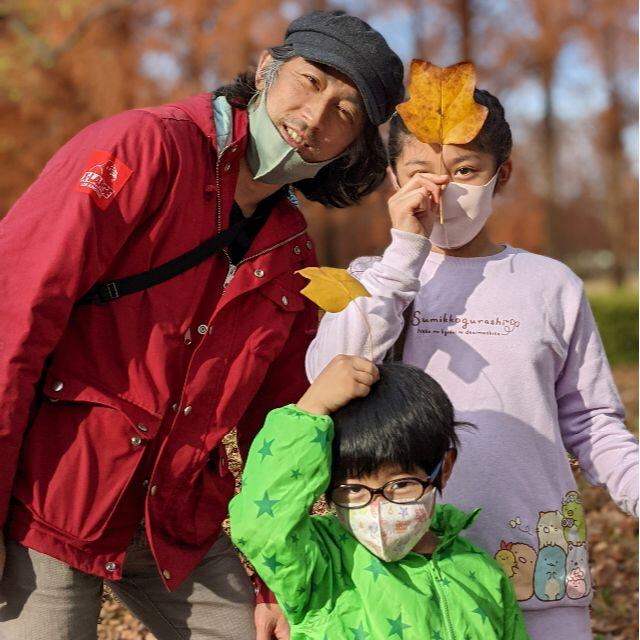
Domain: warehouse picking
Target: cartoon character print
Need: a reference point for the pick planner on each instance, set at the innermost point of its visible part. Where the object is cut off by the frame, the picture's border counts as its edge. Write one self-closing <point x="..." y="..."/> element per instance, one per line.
<point x="578" y="577"/>
<point x="550" y="573"/>
<point x="550" y="530"/>
<point x="574" y="527"/>
<point x="522" y="579"/>
<point x="505" y="558"/>
<point x="517" y="560"/>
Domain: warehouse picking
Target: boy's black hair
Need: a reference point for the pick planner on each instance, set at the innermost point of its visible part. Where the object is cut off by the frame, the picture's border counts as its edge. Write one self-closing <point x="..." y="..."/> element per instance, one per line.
<point x="406" y="420"/>
<point x="494" y="137"/>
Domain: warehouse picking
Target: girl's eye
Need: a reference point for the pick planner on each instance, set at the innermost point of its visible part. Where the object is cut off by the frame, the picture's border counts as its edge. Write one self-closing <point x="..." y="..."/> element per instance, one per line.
<point x="464" y="171"/>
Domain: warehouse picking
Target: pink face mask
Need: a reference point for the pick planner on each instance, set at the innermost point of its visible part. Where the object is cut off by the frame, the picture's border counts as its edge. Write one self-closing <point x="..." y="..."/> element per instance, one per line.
<point x="387" y="529"/>
<point x="465" y="209"/>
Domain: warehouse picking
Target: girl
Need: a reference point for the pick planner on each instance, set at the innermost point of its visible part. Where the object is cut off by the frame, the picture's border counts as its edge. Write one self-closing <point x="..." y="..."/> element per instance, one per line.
<point x="391" y="564"/>
<point x="511" y="338"/>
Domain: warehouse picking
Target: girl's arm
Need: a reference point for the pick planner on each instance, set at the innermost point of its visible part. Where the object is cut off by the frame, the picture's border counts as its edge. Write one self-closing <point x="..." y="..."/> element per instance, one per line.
<point x="393" y="282"/>
<point x="591" y="415"/>
<point x="287" y="469"/>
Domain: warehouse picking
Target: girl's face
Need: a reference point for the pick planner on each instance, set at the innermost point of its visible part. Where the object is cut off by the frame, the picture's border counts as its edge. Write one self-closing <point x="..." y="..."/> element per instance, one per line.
<point x="462" y="163"/>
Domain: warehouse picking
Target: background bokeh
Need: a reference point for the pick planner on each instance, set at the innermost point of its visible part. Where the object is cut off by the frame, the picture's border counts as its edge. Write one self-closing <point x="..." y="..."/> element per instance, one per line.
<point x="566" y="71"/>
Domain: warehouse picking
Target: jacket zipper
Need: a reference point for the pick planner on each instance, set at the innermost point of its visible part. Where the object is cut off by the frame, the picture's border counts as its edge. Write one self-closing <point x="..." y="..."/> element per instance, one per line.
<point x="231" y="270"/>
<point x="445" y="606"/>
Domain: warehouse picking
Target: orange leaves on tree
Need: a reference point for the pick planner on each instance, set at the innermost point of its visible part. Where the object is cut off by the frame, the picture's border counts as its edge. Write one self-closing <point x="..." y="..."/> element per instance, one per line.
<point x="441" y="108"/>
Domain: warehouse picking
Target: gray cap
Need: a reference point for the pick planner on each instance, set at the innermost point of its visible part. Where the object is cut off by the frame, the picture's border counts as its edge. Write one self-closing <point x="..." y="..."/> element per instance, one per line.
<point x="350" y="45"/>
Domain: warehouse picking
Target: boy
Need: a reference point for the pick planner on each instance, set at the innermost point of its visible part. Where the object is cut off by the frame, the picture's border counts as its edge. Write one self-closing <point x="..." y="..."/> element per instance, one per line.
<point x="391" y="564"/>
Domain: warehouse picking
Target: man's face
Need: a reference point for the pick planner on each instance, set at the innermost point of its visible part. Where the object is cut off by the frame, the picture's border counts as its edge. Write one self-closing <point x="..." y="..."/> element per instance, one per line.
<point x="317" y="110"/>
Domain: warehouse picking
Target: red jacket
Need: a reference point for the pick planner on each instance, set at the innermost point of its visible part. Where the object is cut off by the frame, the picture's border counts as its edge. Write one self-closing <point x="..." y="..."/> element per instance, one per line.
<point x="138" y="394"/>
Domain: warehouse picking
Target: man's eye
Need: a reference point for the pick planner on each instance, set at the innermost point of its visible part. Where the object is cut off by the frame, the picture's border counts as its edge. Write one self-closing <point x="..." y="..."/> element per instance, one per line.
<point x="313" y="80"/>
<point x="346" y="114"/>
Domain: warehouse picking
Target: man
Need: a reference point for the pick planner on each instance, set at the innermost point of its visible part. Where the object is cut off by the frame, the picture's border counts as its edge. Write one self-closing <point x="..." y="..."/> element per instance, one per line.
<point x="128" y="384"/>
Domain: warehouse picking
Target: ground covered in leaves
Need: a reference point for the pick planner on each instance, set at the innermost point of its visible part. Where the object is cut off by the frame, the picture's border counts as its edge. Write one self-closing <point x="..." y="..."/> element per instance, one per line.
<point x="614" y="556"/>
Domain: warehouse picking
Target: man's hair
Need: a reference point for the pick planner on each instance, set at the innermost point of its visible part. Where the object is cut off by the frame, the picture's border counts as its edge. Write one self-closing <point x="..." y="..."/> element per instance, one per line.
<point x="342" y="182"/>
<point x="406" y="420"/>
<point x="494" y="137"/>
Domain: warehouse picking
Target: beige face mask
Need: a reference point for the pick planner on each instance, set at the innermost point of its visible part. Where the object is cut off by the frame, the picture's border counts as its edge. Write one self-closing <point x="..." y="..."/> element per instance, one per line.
<point x="465" y="210"/>
<point x="387" y="529"/>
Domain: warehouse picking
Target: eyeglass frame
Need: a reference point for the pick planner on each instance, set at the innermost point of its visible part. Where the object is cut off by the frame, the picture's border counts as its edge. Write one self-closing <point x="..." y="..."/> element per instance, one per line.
<point x="380" y="490"/>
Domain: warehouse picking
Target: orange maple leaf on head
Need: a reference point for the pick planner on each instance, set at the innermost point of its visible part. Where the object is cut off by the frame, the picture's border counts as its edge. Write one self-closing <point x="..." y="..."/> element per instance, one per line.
<point x="441" y="108"/>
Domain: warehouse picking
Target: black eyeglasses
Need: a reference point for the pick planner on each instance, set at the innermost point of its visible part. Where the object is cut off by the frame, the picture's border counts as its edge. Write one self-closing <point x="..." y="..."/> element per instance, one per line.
<point x="400" y="491"/>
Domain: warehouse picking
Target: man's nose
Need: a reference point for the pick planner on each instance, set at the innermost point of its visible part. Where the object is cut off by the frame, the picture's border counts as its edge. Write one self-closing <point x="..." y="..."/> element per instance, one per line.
<point x="315" y="111"/>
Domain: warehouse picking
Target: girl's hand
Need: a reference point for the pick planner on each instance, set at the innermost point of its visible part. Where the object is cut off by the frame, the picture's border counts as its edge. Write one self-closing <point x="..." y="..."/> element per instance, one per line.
<point x="414" y="206"/>
<point x="342" y="380"/>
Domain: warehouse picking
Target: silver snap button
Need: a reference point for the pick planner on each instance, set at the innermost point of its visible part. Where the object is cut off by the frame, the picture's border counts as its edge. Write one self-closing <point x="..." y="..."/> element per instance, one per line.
<point x="309" y="245"/>
<point x="142" y="427"/>
<point x="153" y="490"/>
<point x="166" y="574"/>
<point x="110" y="566"/>
<point x="175" y="407"/>
<point x="285" y="302"/>
<point x="297" y="250"/>
<point x="227" y="166"/>
<point x="187" y="410"/>
<point x="136" y="441"/>
<point x="145" y="484"/>
<point x="202" y="329"/>
<point x="58" y="385"/>
<point x="234" y="148"/>
<point x="258" y="273"/>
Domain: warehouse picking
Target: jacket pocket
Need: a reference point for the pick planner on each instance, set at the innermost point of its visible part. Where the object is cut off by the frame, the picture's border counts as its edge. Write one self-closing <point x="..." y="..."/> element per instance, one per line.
<point x="80" y="454"/>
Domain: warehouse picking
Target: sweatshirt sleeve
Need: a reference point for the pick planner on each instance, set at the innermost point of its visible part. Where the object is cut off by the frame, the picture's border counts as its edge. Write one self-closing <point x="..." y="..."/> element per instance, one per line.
<point x="287" y="469"/>
<point x="591" y="415"/>
<point x="57" y="240"/>
<point x="393" y="282"/>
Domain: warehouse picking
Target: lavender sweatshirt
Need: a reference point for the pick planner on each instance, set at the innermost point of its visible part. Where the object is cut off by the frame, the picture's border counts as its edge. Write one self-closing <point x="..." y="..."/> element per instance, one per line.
<point x="512" y="340"/>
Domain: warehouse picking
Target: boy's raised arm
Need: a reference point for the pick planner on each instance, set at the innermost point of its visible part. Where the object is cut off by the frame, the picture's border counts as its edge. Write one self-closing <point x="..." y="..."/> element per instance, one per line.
<point x="287" y="469"/>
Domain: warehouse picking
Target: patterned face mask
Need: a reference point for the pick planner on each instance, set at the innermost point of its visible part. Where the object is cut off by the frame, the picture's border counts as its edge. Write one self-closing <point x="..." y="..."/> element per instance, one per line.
<point x="387" y="529"/>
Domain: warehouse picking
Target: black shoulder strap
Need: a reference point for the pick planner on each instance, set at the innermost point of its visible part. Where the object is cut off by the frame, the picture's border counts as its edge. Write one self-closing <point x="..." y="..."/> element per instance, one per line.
<point x="396" y="352"/>
<point x="104" y="292"/>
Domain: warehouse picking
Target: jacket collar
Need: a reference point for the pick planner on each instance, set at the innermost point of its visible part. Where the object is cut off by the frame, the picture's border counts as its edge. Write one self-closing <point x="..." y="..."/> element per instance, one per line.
<point x="448" y="522"/>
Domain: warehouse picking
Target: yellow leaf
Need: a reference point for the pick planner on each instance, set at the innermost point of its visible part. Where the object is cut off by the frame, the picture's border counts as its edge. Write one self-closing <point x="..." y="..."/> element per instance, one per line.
<point x="331" y="289"/>
<point x="441" y="108"/>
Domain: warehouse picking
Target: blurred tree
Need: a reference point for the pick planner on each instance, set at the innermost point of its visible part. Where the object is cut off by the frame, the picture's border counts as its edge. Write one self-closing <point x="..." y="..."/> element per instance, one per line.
<point x="609" y="29"/>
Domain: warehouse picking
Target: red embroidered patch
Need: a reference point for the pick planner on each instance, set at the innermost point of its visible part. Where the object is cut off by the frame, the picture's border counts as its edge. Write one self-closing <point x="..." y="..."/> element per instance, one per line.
<point x="103" y="178"/>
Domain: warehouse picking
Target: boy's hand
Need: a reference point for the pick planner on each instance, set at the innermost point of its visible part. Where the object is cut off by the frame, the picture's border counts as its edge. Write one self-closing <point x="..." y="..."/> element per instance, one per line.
<point x="414" y="206"/>
<point x="342" y="380"/>
<point x="270" y="622"/>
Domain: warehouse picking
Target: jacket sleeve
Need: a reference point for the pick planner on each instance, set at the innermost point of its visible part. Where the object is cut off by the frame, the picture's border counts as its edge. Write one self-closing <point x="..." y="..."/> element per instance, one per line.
<point x="287" y="469"/>
<point x="514" y="625"/>
<point x="393" y="282"/>
<point x="285" y="380"/>
<point x="591" y="414"/>
<point x="58" y="240"/>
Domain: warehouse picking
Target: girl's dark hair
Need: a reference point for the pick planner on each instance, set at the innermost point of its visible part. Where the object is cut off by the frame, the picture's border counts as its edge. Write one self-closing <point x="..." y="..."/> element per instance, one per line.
<point x="341" y="183"/>
<point x="406" y="420"/>
<point x="494" y="137"/>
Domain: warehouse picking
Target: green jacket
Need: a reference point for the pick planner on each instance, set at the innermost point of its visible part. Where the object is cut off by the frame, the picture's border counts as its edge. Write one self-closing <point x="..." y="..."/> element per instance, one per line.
<point x="329" y="585"/>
